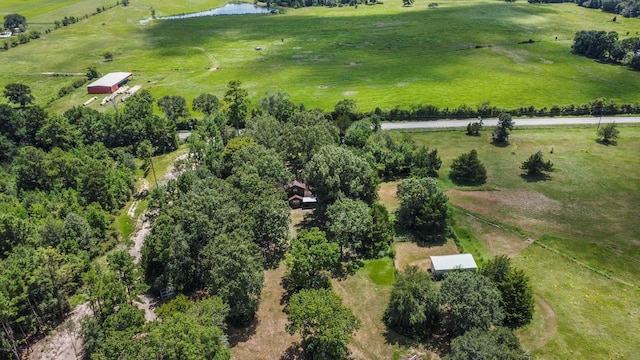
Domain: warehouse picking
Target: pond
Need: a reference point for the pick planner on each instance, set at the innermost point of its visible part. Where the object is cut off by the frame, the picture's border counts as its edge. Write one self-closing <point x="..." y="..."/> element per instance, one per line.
<point x="229" y="9"/>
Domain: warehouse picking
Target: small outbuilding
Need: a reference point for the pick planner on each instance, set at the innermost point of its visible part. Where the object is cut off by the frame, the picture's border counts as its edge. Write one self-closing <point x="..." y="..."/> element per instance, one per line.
<point x="108" y="83"/>
<point x="440" y="265"/>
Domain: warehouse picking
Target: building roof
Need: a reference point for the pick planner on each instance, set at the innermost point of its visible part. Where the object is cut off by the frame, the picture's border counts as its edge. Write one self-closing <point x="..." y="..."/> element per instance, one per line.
<point x="452" y="262"/>
<point x="111" y="79"/>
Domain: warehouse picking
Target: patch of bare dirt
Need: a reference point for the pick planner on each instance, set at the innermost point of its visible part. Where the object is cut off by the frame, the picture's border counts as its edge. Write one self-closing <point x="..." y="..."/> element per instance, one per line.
<point x="64" y="343"/>
<point x="267" y="337"/>
<point x="486" y="201"/>
<point x="410" y="253"/>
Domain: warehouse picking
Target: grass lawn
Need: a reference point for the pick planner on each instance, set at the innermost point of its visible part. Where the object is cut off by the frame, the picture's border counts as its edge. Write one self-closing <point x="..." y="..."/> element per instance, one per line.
<point x="384" y="55"/>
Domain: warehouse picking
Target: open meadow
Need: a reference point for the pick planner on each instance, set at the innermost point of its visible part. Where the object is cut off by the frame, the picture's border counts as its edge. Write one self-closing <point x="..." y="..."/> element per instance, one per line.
<point x="462" y="52"/>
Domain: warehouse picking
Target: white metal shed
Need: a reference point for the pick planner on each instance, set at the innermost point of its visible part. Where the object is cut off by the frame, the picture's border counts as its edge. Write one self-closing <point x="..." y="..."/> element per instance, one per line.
<point x="446" y="263"/>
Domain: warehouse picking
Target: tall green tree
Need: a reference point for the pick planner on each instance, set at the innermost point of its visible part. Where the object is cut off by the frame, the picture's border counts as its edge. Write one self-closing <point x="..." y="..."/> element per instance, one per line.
<point x="380" y="237"/>
<point x="469" y="300"/>
<point x="468" y="169"/>
<point x="501" y="131"/>
<point x="174" y="107"/>
<point x="310" y="260"/>
<point x="426" y="163"/>
<point x="12" y="21"/>
<point x="414" y="307"/>
<point x="536" y="166"/>
<point x="349" y="223"/>
<point x="237" y="103"/>
<point x="515" y="290"/>
<point x="325" y="324"/>
<point x="18" y="94"/>
<point x="423" y="208"/>
<point x="278" y="105"/>
<point x="271" y="230"/>
<point x="358" y="133"/>
<point x="336" y="170"/>
<point x="206" y="103"/>
<point x="233" y="271"/>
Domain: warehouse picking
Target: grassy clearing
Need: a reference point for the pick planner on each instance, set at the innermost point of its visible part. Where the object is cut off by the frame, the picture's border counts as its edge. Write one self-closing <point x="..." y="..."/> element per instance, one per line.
<point x="383" y="55"/>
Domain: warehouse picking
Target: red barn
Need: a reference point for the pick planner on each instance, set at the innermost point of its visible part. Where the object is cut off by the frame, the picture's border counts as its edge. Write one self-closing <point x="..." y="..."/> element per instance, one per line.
<point x="108" y="83"/>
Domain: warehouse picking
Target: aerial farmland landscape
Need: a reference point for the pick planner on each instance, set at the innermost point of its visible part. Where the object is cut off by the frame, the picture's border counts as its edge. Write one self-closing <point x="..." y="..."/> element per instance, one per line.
<point x="309" y="179"/>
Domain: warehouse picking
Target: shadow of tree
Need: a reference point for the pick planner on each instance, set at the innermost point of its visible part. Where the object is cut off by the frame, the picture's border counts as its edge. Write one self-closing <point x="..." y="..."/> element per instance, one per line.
<point x="607" y="142"/>
<point x="535" y="178"/>
<point x="293" y="352"/>
<point x="437" y="341"/>
<point x="500" y="144"/>
<point x="242" y="334"/>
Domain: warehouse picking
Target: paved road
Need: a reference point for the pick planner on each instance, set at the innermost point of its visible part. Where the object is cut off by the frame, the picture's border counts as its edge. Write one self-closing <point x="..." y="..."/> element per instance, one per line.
<point x="518" y="122"/>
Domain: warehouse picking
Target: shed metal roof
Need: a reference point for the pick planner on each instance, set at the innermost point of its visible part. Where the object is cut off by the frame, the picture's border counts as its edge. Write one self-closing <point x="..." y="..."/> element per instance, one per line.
<point x="111" y="79"/>
<point x="452" y="262"/>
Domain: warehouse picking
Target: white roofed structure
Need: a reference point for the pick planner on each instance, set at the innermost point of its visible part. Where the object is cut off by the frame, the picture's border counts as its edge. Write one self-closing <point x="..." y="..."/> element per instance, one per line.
<point x="445" y="263"/>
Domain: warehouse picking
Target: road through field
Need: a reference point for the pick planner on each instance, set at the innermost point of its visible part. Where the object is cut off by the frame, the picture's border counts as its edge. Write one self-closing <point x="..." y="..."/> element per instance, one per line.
<point x="518" y="122"/>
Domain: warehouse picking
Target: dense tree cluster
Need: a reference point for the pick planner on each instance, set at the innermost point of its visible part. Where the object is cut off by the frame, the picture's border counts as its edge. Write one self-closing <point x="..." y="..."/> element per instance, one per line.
<point x="184" y="330"/>
<point x="468" y="307"/>
<point x="605" y="46"/>
<point x="626" y="8"/>
<point x="60" y="189"/>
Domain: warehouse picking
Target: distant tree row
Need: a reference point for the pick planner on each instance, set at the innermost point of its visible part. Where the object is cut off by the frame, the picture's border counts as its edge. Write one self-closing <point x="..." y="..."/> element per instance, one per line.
<point x="605" y="46"/>
<point x="329" y="3"/>
<point x="626" y="8"/>
<point x="486" y="110"/>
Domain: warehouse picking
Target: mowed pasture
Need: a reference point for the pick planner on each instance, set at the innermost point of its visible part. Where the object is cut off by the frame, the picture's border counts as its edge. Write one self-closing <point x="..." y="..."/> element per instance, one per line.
<point x="463" y="52"/>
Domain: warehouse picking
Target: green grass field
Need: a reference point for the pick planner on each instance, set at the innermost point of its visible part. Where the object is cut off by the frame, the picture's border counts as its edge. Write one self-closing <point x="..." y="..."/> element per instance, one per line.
<point x="384" y="55"/>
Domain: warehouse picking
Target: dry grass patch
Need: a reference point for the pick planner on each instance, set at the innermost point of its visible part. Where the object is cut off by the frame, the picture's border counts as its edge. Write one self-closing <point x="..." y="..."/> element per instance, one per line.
<point x="410" y="253"/>
<point x="495" y="240"/>
<point x="387" y="194"/>
<point x="522" y="208"/>
<point x="368" y="302"/>
<point x="267" y="337"/>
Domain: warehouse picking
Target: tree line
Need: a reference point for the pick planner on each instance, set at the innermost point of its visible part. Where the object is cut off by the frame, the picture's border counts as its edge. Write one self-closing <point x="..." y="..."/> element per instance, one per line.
<point x="605" y="46"/>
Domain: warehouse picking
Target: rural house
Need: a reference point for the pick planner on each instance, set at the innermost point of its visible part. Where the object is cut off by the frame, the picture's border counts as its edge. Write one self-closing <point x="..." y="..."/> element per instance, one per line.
<point x="300" y="195"/>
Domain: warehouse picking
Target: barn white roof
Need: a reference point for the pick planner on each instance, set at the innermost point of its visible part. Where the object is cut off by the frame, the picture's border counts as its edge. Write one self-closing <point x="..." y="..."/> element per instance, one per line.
<point x="111" y="79"/>
<point x="452" y="262"/>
